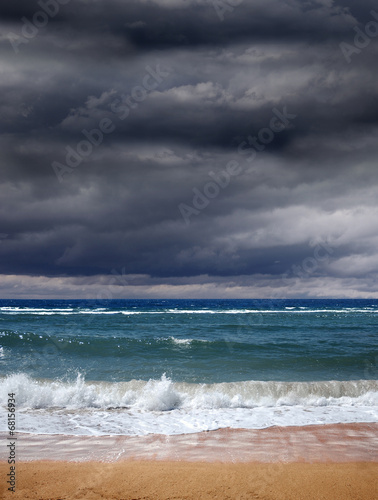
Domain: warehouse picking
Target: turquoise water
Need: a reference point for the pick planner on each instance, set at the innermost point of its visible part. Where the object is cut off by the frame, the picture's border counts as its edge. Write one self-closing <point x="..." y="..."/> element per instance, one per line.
<point x="178" y="366"/>
<point x="193" y="341"/>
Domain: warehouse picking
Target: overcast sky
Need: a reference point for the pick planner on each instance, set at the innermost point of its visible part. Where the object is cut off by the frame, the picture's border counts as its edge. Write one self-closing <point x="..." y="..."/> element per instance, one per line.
<point x="188" y="148"/>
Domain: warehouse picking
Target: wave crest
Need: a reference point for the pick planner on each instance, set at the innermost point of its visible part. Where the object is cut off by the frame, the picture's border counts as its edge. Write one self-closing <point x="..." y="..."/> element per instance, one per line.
<point x="163" y="394"/>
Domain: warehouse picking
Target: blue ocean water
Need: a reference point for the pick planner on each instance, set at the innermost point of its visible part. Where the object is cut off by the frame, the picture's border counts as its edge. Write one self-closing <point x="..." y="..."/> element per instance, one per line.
<point x="189" y="355"/>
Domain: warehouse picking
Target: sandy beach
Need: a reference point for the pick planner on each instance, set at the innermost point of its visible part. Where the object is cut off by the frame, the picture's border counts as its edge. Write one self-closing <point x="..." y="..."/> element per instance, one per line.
<point x="155" y="480"/>
<point x="312" y="462"/>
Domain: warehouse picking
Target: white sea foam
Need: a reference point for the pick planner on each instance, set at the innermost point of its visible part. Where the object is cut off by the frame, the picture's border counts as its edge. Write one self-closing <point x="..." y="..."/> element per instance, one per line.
<point x="187" y="342"/>
<point x="164" y="394"/>
<point x="33" y="309"/>
<point x="181" y="341"/>
<point x="162" y="406"/>
<point x="103" y="311"/>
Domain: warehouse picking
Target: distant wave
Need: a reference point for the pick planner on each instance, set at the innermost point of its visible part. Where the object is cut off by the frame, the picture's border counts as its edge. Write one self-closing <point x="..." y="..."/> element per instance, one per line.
<point x="103" y="311"/>
<point x="94" y="344"/>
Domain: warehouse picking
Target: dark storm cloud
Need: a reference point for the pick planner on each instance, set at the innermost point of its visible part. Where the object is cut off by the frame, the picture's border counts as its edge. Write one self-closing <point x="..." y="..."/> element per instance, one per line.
<point x="218" y="84"/>
<point x="151" y="25"/>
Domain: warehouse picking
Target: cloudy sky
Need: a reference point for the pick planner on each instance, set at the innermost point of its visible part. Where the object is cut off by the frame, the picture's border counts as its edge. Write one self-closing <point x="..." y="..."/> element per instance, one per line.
<point x="188" y="148"/>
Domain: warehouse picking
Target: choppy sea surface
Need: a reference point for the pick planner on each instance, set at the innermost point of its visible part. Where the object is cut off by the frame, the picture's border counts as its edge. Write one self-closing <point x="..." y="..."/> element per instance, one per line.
<point x="133" y="367"/>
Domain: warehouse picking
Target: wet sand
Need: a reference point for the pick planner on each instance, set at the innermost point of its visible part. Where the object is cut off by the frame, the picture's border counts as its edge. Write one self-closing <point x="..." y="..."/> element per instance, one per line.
<point x="313" y="462"/>
<point x="312" y="443"/>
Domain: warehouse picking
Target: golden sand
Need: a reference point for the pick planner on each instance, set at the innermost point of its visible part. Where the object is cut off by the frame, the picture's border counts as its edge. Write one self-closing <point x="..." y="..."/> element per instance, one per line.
<point x="154" y="480"/>
<point x="329" y="462"/>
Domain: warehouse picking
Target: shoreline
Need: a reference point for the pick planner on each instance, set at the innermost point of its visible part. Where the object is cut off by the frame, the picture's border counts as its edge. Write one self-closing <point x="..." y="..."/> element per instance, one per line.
<point x="277" y="463"/>
<point x="357" y="442"/>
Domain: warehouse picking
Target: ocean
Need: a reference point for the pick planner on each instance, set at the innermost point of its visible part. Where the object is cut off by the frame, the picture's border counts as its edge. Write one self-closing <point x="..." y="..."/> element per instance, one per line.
<point x="135" y="367"/>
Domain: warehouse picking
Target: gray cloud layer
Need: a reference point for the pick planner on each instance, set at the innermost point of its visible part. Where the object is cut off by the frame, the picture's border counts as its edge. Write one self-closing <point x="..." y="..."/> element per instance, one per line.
<point x="180" y="93"/>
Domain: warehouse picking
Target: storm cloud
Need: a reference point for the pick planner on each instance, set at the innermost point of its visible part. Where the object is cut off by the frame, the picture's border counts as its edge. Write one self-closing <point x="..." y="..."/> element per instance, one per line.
<point x="188" y="148"/>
